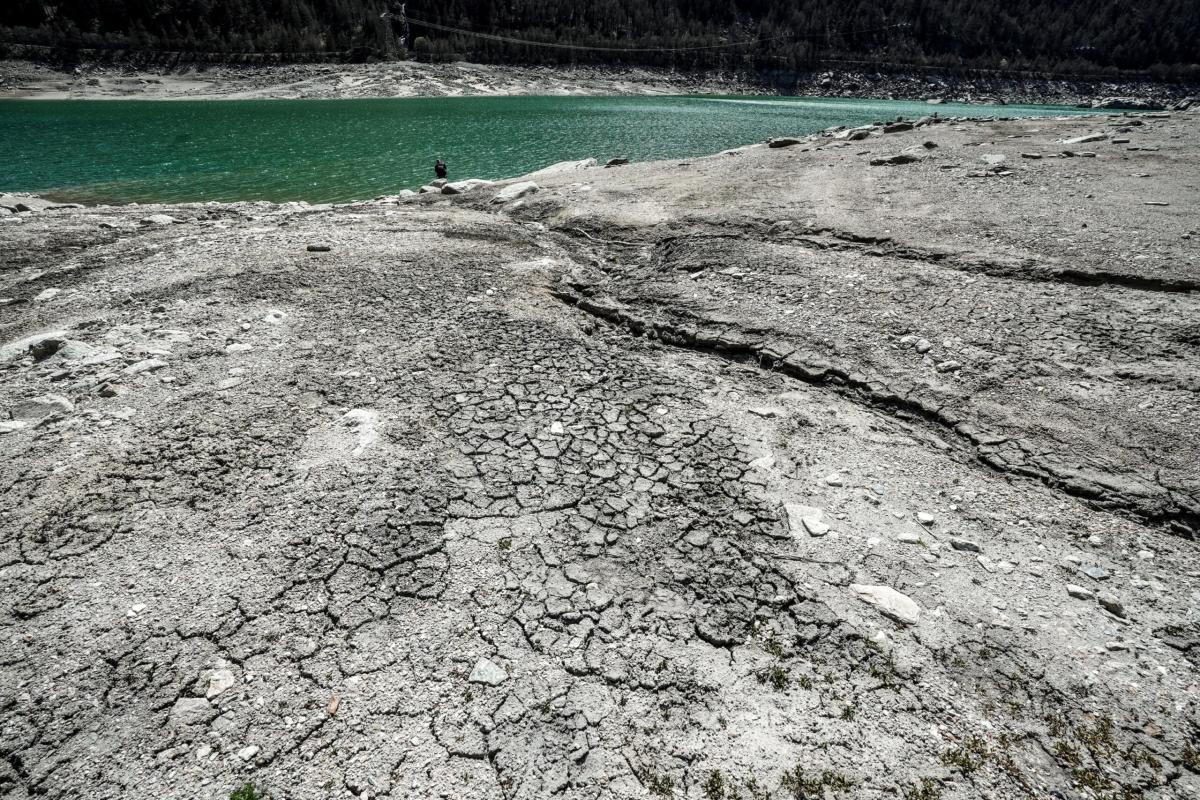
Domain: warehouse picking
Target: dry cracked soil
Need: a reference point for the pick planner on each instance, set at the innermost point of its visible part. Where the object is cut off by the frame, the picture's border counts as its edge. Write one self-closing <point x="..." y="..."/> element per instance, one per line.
<point x="778" y="473"/>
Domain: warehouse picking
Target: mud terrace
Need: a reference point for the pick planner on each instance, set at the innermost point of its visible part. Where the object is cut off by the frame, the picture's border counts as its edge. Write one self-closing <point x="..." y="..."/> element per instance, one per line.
<point x="858" y="466"/>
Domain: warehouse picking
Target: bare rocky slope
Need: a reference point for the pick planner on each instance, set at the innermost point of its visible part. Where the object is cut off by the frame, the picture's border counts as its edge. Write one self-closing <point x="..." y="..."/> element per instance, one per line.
<point x="858" y="466"/>
<point x="20" y="79"/>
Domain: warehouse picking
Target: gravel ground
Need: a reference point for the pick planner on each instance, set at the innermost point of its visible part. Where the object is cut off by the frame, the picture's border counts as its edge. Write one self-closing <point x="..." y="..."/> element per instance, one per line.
<point x="769" y="474"/>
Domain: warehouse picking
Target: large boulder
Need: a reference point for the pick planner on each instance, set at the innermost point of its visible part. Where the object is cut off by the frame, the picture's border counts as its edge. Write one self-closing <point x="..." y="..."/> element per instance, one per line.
<point x="515" y="191"/>
<point x="461" y="187"/>
<point x="42" y="406"/>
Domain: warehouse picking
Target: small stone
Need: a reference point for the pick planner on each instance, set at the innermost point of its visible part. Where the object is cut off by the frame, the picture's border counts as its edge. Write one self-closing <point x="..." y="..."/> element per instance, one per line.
<point x="239" y="347"/>
<point x="274" y="317"/>
<point x="229" y="383"/>
<point x="834" y="479"/>
<point x="247" y="753"/>
<point x="557" y="429"/>
<point x="925" y="518"/>
<point x="766" y="412"/>
<point x="44" y="348"/>
<point x="46" y="295"/>
<point x="800" y="519"/>
<point x="908" y="537"/>
<point x="1094" y="572"/>
<point x="1116" y="646"/>
<point x="965" y="545"/>
<point x="487" y="673"/>
<point x="923" y="346"/>
<point x="11" y="425"/>
<point x="1111" y="603"/>
<point x="948" y="366"/>
<point x="319" y="248"/>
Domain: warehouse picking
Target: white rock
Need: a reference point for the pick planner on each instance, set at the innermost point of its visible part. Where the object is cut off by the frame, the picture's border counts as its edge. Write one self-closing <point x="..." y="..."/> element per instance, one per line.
<point x="46" y="294"/>
<point x="488" y="673"/>
<point x="802" y="519"/>
<point x="556" y="428"/>
<point x="219" y="681"/>
<point x="11" y="425"/>
<point x="908" y="537"/>
<point x="239" y="347"/>
<point x="159" y="219"/>
<point x="460" y="187"/>
<point x="516" y="191"/>
<point x="834" y="479"/>
<point x="1079" y="592"/>
<point x="275" y="316"/>
<point x="890" y="602"/>
<point x="191" y="711"/>
<point x="247" y="753"/>
<point x="925" y="518"/>
<point x="145" y="365"/>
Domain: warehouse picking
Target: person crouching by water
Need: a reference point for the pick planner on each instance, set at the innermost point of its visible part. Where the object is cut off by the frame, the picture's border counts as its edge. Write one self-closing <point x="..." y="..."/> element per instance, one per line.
<point x="440" y="169"/>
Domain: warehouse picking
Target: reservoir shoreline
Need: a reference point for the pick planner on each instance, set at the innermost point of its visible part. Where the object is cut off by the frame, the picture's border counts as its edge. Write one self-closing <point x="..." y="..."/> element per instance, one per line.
<point x="28" y="80"/>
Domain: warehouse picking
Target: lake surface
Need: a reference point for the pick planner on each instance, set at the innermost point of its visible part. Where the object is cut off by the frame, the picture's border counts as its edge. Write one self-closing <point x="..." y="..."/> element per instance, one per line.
<point x="334" y="150"/>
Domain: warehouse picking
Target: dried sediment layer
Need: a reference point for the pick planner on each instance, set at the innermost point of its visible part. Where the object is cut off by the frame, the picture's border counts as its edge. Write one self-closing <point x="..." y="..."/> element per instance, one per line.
<point x="391" y="520"/>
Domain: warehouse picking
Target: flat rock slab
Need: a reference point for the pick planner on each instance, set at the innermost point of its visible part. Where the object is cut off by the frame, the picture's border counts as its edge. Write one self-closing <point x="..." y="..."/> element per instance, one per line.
<point x="890" y="602"/>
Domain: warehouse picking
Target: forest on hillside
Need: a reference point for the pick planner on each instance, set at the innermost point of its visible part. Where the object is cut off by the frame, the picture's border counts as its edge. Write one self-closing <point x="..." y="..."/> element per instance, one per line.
<point x="1063" y="36"/>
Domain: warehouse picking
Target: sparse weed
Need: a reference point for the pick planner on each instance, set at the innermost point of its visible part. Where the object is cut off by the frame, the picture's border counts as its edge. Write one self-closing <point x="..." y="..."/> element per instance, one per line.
<point x="247" y="792"/>
<point x="776" y="675"/>
<point x="800" y="786"/>
<point x="714" y="787"/>
<point x="927" y="789"/>
<point x="968" y="756"/>
<point x="505" y="543"/>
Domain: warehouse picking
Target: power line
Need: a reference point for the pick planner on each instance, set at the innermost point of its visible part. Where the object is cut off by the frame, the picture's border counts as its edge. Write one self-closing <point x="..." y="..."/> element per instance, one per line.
<point x="600" y="48"/>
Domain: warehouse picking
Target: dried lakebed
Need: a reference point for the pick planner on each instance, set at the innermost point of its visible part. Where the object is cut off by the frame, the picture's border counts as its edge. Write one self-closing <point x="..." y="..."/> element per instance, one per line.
<point x="772" y="473"/>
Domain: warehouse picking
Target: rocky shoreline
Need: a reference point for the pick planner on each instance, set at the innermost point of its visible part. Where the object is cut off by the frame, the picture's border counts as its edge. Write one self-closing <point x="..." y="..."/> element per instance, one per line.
<point x="858" y="464"/>
<point x="25" y="79"/>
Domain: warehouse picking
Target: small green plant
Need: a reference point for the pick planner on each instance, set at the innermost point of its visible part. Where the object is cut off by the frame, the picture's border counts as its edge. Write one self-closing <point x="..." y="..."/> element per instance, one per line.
<point x="773" y="647"/>
<point x="798" y="785"/>
<point x="776" y="675"/>
<point x="848" y="713"/>
<point x="1191" y="758"/>
<point x="505" y="543"/>
<point x="968" y="756"/>
<point x="247" y="792"/>
<point x="927" y="789"/>
<point x="714" y="787"/>
<point x="658" y="785"/>
<point x="804" y="682"/>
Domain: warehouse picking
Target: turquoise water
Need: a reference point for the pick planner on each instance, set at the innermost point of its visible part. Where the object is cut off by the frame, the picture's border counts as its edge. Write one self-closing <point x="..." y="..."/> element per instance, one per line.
<point x="335" y="150"/>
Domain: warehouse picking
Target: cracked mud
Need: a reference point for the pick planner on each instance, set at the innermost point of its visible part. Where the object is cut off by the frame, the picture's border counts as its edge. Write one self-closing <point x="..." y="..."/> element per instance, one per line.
<point x="769" y="474"/>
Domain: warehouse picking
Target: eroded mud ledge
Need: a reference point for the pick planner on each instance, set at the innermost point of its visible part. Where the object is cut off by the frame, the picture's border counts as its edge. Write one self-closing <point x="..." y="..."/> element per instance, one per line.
<point x="392" y="519"/>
